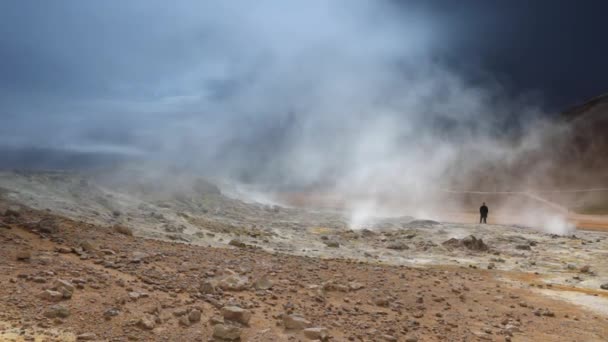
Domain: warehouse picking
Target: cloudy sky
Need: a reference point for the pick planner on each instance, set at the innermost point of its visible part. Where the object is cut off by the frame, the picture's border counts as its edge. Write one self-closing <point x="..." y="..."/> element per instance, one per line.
<point x="244" y="87"/>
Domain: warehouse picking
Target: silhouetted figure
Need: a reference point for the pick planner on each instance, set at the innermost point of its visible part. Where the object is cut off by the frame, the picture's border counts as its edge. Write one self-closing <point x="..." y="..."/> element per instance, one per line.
<point x="483" y="212"/>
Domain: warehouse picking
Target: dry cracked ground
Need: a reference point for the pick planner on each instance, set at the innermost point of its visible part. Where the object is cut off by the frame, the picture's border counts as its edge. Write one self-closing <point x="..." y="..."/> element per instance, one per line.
<point x="65" y="277"/>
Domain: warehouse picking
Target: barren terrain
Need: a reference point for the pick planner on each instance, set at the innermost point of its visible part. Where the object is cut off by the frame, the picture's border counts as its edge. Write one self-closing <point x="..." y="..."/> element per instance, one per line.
<point x="85" y="259"/>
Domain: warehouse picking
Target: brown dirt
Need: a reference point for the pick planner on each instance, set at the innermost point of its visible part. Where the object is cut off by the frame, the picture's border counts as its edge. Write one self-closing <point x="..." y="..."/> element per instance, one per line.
<point x="457" y="303"/>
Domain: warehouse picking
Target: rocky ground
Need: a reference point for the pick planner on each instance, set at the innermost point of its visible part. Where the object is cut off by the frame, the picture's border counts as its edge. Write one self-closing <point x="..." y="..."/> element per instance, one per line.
<point x="85" y="261"/>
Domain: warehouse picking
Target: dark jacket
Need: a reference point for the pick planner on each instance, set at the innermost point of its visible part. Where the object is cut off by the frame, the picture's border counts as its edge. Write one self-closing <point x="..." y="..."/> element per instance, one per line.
<point x="483" y="210"/>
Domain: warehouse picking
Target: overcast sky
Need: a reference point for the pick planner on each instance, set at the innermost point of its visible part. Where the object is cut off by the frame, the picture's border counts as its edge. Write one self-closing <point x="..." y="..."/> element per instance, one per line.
<point x="229" y="80"/>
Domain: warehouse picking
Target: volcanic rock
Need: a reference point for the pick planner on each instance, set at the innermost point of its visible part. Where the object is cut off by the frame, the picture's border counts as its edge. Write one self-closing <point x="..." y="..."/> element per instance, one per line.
<point x="227" y="332"/>
<point x="57" y="310"/>
<point x="237" y="314"/>
<point x="470" y="242"/>
<point x="295" y="322"/>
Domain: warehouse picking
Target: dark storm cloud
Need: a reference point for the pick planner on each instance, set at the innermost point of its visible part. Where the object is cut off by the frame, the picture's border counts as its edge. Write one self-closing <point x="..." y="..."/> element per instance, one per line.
<point x="249" y="87"/>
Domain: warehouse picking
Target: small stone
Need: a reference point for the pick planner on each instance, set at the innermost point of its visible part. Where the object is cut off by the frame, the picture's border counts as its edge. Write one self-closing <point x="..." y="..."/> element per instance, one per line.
<point x="57" y="311"/>
<point x="237" y="243"/>
<point x="604" y="286"/>
<point x="332" y="243"/>
<point x="47" y="225"/>
<point x="216" y="320"/>
<point x="124" y="230"/>
<point x="87" y="246"/>
<point x="381" y="301"/>
<point x="398" y="246"/>
<point x="317" y="333"/>
<point x="134" y="296"/>
<point x="227" y="332"/>
<point x="194" y="316"/>
<point x="63" y="250"/>
<point x="86" y="337"/>
<point x="146" y="323"/>
<point x="207" y="287"/>
<point x="24" y="255"/>
<point x="353" y="286"/>
<point x="183" y="320"/>
<point x="65" y="287"/>
<point x="263" y="283"/>
<point x="295" y="322"/>
<point x="51" y="295"/>
<point x="234" y="283"/>
<point x="111" y="312"/>
<point x="237" y="314"/>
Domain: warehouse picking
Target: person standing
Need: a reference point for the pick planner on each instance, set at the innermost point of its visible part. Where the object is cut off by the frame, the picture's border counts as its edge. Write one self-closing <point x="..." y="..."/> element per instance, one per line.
<point x="483" y="212"/>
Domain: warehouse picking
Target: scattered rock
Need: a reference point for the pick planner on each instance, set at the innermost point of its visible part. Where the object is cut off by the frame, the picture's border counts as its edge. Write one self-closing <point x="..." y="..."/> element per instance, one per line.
<point x="604" y="286"/>
<point x="194" y="316"/>
<point x="263" y="283"/>
<point x="470" y="242"/>
<point x="397" y="245"/>
<point x="207" y="287"/>
<point x="50" y="295"/>
<point x="295" y="322"/>
<point x="86" y="337"/>
<point x="332" y="243"/>
<point x="87" y="246"/>
<point x="317" y="333"/>
<point x="47" y="225"/>
<point x="236" y="314"/>
<point x="124" y="230"/>
<point x="237" y="243"/>
<point x="111" y="312"/>
<point x="24" y="255"/>
<point x="12" y="211"/>
<point x="381" y="301"/>
<point x="227" y="332"/>
<point x="57" y="311"/>
<point x="234" y="282"/>
<point x="63" y="250"/>
<point x="146" y="323"/>
<point x="65" y="287"/>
